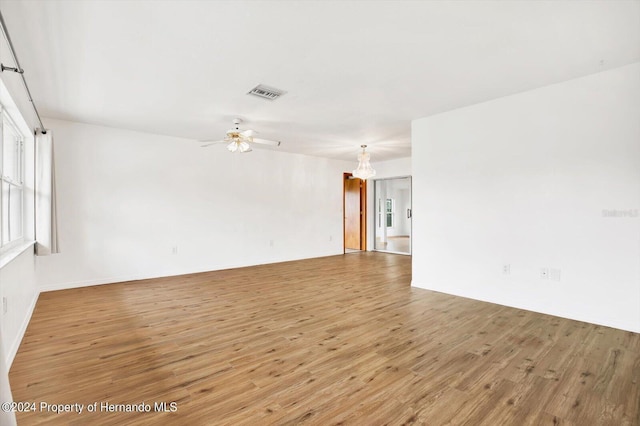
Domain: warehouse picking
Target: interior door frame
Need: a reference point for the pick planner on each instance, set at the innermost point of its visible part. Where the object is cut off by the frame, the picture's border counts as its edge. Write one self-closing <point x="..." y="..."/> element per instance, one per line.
<point x="363" y="212"/>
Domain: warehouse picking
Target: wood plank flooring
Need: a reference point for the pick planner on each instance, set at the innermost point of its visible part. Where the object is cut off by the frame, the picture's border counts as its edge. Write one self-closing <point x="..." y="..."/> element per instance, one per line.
<point x="399" y="244"/>
<point x="336" y="340"/>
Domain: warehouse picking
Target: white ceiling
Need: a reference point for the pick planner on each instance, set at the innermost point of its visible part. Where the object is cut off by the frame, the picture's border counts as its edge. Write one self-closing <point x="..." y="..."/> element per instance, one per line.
<point x="355" y="71"/>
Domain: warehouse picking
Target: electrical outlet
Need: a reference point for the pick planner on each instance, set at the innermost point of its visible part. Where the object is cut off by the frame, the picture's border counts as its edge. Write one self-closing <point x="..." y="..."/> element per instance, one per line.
<point x="4" y="304"/>
<point x="544" y="273"/>
<point x="174" y="250"/>
<point x="554" y="274"/>
<point x="506" y="269"/>
<point x="271" y="243"/>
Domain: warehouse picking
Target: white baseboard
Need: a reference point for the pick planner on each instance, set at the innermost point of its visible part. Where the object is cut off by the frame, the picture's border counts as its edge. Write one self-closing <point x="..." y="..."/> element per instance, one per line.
<point x="566" y="314"/>
<point x="101" y="281"/>
<point x="169" y="273"/>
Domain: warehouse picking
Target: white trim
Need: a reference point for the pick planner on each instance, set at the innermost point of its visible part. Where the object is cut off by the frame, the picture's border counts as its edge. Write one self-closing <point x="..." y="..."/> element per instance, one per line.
<point x="7" y="123"/>
<point x="13" y="251"/>
<point x="12" y="109"/>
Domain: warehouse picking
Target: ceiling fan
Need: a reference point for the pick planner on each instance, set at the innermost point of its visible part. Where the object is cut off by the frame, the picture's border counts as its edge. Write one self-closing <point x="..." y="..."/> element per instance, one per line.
<point x="240" y="140"/>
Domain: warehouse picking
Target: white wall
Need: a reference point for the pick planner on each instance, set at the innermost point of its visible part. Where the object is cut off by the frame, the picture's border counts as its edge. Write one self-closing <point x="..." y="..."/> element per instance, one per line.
<point x="392" y="168"/>
<point x="126" y="199"/>
<point x="18" y="285"/>
<point x="7" y="418"/>
<point x="524" y="180"/>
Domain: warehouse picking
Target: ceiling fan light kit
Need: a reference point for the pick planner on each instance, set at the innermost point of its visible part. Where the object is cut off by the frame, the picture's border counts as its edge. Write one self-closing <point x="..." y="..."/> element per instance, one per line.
<point x="364" y="170"/>
<point x="241" y="146"/>
<point x="240" y="140"/>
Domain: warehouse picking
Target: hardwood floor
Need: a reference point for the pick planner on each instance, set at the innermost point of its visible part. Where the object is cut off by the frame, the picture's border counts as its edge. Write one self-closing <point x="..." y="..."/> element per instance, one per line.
<point x="399" y="244"/>
<point x="336" y="340"/>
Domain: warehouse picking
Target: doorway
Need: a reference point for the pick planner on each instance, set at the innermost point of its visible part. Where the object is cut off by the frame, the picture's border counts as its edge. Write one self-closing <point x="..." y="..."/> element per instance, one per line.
<point x="355" y="214"/>
<point x="392" y="203"/>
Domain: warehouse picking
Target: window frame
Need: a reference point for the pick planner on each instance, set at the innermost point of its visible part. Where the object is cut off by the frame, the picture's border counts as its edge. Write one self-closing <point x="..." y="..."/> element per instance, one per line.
<point x="390" y="213"/>
<point x="7" y="120"/>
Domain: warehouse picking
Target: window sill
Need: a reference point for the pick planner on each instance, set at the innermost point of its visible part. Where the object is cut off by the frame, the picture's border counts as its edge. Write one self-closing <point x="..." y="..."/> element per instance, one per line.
<point x="7" y="256"/>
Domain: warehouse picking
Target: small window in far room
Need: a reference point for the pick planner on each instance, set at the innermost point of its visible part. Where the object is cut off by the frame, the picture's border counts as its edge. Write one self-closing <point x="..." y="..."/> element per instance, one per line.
<point x="391" y="209"/>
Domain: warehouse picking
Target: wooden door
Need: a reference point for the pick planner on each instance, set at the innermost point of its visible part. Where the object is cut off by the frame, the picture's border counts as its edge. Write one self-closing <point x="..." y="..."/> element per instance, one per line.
<point x="354" y="218"/>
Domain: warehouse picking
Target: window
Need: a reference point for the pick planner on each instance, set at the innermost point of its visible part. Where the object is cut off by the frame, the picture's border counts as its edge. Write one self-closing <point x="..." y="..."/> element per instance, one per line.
<point x="11" y="170"/>
<point x="391" y="210"/>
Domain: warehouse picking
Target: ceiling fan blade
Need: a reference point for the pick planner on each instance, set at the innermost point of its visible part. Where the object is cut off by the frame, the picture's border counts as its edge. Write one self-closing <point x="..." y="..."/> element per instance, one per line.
<point x="248" y="133"/>
<point x="266" y="142"/>
<point x="210" y="142"/>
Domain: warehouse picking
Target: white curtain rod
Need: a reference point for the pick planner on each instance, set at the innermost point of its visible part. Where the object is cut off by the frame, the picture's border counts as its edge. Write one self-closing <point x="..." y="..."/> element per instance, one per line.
<point x="18" y="69"/>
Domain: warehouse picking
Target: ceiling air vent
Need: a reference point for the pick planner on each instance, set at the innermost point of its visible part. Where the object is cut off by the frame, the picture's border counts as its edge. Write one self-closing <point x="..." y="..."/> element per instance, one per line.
<point x="266" y="92"/>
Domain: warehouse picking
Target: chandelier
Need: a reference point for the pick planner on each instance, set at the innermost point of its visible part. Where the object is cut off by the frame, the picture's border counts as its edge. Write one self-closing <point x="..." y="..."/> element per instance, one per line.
<point x="364" y="170"/>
